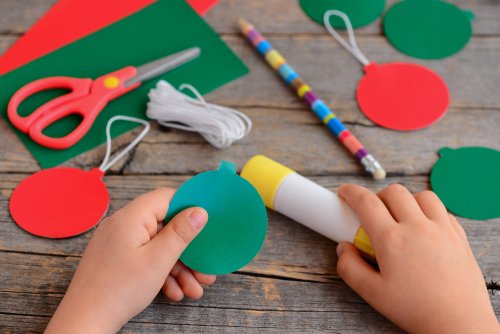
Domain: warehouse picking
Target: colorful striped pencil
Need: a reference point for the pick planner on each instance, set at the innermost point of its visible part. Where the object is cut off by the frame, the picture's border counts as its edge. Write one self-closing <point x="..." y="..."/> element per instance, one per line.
<point x="304" y="91"/>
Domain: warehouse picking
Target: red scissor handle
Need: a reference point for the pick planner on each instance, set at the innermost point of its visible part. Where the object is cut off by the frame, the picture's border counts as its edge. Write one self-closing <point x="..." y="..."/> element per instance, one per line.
<point x="87" y="98"/>
<point x="78" y="89"/>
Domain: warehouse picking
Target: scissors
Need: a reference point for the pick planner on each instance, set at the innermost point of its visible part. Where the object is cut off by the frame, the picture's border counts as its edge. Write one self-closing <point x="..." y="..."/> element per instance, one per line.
<point x="87" y="98"/>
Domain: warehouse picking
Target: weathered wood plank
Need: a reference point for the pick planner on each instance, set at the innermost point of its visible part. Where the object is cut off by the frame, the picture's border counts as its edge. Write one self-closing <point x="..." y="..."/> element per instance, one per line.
<point x="262" y="293"/>
<point x="19" y="15"/>
<point x="287" y="17"/>
<point x="474" y="110"/>
<point x="6" y="42"/>
<point x="473" y="97"/>
<point x="274" y="304"/>
<point x="298" y="140"/>
<point x="12" y="323"/>
<point x="334" y="74"/>
<point x="291" y="251"/>
<point x="270" y="305"/>
<point x="36" y="324"/>
<point x="293" y="137"/>
<point x="168" y="317"/>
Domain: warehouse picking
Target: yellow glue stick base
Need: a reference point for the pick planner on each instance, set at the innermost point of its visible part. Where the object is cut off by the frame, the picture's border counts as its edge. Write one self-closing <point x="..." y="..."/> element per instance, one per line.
<point x="362" y="243"/>
<point x="266" y="176"/>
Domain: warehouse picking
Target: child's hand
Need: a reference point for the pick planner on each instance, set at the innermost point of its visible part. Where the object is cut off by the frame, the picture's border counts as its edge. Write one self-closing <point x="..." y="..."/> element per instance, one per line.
<point x="127" y="261"/>
<point x="428" y="280"/>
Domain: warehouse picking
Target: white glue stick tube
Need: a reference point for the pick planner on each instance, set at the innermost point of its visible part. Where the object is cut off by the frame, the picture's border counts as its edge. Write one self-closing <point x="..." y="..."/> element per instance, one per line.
<point x="306" y="202"/>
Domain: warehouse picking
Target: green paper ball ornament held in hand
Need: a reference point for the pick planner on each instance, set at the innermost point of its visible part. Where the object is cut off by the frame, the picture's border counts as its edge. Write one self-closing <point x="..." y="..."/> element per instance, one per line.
<point x="467" y="180"/>
<point x="237" y="220"/>
<point x="428" y="29"/>
<point x="361" y="12"/>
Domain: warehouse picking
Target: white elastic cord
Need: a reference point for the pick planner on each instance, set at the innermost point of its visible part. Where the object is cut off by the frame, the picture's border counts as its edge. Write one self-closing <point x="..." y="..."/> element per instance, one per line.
<point x="352" y="46"/>
<point x="220" y="126"/>
<point x="107" y="165"/>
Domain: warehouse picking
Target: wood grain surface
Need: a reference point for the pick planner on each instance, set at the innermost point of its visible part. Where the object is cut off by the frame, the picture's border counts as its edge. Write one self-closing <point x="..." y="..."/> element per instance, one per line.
<point x="292" y="285"/>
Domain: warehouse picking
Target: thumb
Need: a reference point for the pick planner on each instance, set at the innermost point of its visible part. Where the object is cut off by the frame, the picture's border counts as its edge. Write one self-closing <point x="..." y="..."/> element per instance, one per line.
<point x="173" y="239"/>
<point x="357" y="273"/>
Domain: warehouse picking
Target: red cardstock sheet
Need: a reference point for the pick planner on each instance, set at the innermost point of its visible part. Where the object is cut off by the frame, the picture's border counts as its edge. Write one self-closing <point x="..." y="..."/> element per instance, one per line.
<point x="70" y="20"/>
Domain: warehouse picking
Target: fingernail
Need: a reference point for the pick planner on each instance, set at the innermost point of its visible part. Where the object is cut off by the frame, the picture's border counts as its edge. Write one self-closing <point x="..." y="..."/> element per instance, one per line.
<point x="340" y="249"/>
<point x="198" y="218"/>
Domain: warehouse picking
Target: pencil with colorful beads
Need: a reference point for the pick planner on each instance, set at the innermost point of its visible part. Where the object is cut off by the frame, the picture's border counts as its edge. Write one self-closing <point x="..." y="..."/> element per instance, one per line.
<point x="304" y="91"/>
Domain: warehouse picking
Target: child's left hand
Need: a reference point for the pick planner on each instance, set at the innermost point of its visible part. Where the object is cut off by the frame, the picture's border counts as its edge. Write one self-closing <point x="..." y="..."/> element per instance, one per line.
<point x="127" y="261"/>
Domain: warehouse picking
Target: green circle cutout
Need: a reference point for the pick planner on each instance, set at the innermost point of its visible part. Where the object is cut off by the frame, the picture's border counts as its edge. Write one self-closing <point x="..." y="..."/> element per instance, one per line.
<point x="428" y="29"/>
<point x="467" y="180"/>
<point x="237" y="220"/>
<point x="360" y="12"/>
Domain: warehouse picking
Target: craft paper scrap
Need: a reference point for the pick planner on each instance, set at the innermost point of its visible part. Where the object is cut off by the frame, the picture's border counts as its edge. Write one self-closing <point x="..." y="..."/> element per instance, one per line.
<point x="429" y="29"/>
<point x="361" y="12"/>
<point x="136" y="40"/>
<point x="467" y="180"/>
<point x="237" y="220"/>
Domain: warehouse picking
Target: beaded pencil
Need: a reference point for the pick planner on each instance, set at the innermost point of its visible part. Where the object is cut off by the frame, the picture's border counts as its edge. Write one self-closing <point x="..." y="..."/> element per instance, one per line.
<point x="304" y="91"/>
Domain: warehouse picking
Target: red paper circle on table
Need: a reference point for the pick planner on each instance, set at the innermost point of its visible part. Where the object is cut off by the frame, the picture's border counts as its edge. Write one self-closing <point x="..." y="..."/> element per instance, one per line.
<point x="402" y="96"/>
<point x="60" y="202"/>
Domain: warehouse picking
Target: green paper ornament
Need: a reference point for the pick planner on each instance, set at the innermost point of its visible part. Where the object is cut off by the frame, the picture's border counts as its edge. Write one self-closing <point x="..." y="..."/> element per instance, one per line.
<point x="467" y="180"/>
<point x="361" y="12"/>
<point x="428" y="29"/>
<point x="237" y="220"/>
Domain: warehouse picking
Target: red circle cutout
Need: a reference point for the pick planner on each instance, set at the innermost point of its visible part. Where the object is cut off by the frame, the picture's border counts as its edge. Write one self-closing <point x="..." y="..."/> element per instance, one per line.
<point x="60" y="202"/>
<point x="402" y="96"/>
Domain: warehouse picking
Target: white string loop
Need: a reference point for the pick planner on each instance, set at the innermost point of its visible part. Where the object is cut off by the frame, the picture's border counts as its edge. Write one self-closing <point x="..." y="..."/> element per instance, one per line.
<point x="220" y="126"/>
<point x="107" y="165"/>
<point x="352" y="46"/>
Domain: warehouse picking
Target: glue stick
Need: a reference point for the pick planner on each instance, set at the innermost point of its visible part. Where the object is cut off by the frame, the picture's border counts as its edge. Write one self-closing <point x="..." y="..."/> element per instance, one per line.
<point x="306" y="202"/>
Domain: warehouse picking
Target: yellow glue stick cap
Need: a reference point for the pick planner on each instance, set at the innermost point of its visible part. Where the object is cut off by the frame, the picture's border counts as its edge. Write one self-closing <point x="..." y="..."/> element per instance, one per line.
<point x="266" y="176"/>
<point x="362" y="242"/>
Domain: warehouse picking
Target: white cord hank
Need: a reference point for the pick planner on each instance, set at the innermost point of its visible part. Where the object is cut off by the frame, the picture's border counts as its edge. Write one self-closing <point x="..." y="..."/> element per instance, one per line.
<point x="352" y="46"/>
<point x="220" y="126"/>
<point x="106" y="164"/>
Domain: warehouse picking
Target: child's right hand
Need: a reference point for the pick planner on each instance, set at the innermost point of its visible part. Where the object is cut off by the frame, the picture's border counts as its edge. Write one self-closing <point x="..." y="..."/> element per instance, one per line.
<point x="428" y="280"/>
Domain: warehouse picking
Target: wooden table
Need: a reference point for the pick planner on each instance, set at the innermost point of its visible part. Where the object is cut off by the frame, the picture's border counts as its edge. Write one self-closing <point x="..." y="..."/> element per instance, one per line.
<point x="292" y="285"/>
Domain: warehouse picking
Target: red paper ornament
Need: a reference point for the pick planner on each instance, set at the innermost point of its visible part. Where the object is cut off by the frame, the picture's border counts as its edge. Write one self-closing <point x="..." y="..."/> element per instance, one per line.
<point x="402" y="96"/>
<point x="398" y="96"/>
<point x="60" y="202"/>
<point x="64" y="202"/>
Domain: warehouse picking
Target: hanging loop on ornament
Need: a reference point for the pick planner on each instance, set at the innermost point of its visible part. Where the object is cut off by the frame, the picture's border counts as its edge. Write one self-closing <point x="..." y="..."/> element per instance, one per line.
<point x="220" y="126"/>
<point x="106" y="164"/>
<point x="352" y="45"/>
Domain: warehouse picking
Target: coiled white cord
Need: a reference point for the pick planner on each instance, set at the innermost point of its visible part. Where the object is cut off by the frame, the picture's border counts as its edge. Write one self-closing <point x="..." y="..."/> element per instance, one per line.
<point x="220" y="126"/>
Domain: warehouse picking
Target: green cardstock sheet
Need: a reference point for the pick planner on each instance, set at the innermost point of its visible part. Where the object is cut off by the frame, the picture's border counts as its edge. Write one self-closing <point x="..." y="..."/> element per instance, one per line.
<point x="360" y="12"/>
<point x="428" y="29"/>
<point x="467" y="180"/>
<point x="163" y="28"/>
<point x="237" y="220"/>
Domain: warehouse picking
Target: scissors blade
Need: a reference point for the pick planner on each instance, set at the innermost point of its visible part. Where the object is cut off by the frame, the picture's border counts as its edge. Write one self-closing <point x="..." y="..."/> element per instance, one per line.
<point x="163" y="65"/>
